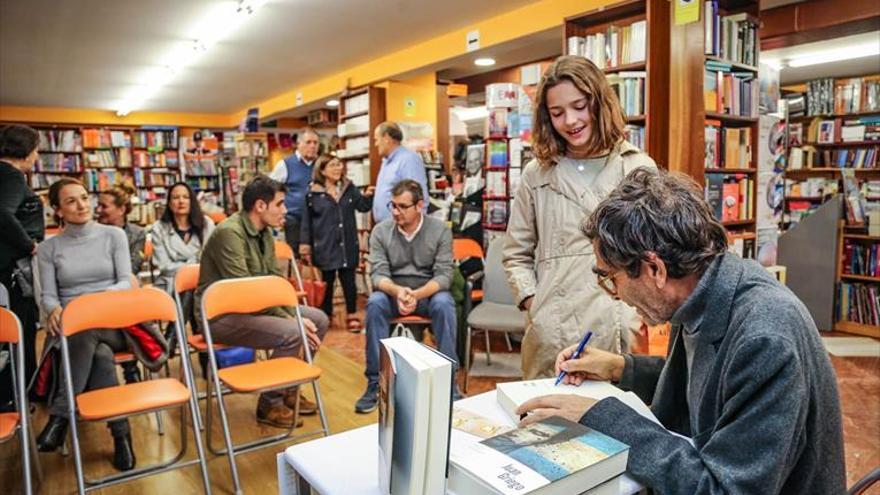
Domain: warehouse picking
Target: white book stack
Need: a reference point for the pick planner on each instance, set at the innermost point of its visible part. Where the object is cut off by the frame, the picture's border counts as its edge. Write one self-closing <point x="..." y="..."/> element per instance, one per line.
<point x="415" y="408"/>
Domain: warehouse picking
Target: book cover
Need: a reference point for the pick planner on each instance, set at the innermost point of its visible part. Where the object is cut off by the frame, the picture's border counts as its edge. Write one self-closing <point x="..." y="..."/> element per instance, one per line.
<point x="553" y="454"/>
<point x="386" y="417"/>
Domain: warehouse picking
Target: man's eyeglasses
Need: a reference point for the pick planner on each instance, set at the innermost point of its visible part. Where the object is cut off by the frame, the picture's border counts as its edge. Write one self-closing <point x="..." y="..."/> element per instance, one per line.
<point x="606" y="281"/>
<point x="394" y="206"/>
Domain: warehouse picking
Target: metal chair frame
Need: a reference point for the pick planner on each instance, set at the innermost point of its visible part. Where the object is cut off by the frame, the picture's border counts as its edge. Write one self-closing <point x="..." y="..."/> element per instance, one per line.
<point x="231" y="450"/>
<point x="23" y="427"/>
<point x="83" y="484"/>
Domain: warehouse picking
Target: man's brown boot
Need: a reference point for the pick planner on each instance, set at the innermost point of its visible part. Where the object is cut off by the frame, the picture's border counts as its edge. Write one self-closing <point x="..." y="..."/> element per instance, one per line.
<point x="306" y="407"/>
<point x="279" y="416"/>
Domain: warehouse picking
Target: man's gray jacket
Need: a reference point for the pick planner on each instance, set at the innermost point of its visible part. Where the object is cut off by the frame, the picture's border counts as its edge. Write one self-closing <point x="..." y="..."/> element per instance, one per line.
<point x="759" y="397"/>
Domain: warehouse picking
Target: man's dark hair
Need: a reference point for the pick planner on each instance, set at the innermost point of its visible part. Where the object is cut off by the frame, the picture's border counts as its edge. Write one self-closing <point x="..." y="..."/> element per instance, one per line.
<point x="659" y="212"/>
<point x="18" y="141"/>
<point x="392" y="130"/>
<point x="411" y="186"/>
<point x="260" y="188"/>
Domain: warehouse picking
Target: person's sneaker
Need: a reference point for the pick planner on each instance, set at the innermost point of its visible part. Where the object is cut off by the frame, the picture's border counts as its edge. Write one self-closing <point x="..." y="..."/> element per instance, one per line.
<point x="368" y="401"/>
<point x="279" y="416"/>
<point x="306" y="407"/>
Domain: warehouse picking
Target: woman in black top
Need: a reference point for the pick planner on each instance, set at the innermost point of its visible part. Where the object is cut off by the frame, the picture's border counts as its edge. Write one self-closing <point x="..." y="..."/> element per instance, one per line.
<point x="21" y="222"/>
<point x="329" y="236"/>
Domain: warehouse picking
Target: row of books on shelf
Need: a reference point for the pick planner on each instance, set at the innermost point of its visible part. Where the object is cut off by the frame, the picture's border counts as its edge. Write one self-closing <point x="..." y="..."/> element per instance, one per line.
<point x="635" y="134"/>
<point x="146" y="178"/>
<point x="353" y="125"/>
<point x="43" y="181"/>
<point x="730" y="92"/>
<point x="56" y="162"/>
<point x="851" y="95"/>
<point x="861" y="259"/>
<point x="251" y="148"/>
<point x="835" y="131"/>
<point x="430" y="157"/>
<point x="159" y="140"/>
<point x="859" y="303"/>
<point x="727" y="147"/>
<point x="67" y="140"/>
<point x="108" y="158"/>
<point x="199" y="164"/>
<point x="805" y="157"/>
<point x="814" y="187"/>
<point x="146" y="159"/>
<point x="357" y="104"/>
<point x="730" y="37"/>
<point x="615" y="46"/>
<point x="630" y="89"/>
<point x="100" y="180"/>
<point x="355" y="147"/>
<point x="105" y="138"/>
<point x="797" y="211"/>
<point x="730" y="196"/>
<point x="358" y="172"/>
<point x="203" y="183"/>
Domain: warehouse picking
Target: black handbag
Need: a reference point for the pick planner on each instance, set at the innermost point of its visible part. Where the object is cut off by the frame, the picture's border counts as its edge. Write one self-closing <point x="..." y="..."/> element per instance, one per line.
<point x="23" y="276"/>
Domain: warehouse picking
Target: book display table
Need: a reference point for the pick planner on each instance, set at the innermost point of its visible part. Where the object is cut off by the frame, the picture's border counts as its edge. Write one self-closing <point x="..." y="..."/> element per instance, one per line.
<point x="347" y="463"/>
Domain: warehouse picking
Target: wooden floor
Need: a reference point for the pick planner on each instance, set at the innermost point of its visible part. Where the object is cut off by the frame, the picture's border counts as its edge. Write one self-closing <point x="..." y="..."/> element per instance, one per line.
<point x="342" y="382"/>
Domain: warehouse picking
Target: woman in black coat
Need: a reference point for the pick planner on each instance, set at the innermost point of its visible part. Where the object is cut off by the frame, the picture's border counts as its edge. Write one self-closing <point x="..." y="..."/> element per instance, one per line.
<point x="21" y="227"/>
<point x="329" y="236"/>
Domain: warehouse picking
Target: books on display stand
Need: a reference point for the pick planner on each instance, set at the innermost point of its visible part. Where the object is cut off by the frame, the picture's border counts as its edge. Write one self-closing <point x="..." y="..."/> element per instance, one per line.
<point x="415" y="407"/>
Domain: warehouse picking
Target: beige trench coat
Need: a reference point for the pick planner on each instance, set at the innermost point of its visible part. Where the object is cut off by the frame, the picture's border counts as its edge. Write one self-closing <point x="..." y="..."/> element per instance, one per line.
<point x="547" y="256"/>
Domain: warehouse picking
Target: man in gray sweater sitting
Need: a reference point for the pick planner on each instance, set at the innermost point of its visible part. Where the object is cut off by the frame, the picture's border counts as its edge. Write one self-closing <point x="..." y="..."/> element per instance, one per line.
<point x="746" y="375"/>
<point x="411" y="259"/>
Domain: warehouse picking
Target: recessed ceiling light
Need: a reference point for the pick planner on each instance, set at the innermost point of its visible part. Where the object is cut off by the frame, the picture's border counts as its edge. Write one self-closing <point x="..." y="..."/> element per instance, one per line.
<point x="836" y="55"/>
<point x="484" y="61"/>
<point x="332" y="103"/>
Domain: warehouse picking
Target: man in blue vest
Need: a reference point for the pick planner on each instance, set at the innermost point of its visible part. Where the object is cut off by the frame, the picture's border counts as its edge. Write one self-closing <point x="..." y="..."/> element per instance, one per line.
<point x="398" y="163"/>
<point x="295" y="172"/>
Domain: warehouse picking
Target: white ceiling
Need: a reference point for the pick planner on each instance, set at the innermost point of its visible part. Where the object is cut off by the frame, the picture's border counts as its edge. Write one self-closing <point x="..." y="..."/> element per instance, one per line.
<point x="90" y="53"/>
<point x="841" y="68"/>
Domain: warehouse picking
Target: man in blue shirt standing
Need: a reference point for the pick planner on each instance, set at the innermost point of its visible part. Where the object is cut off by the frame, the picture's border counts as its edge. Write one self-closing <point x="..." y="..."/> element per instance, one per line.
<point x="295" y="172"/>
<point x="398" y="163"/>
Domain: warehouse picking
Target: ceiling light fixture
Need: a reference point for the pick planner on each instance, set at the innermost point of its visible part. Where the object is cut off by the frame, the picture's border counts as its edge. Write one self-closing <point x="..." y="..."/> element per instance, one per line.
<point x="836" y="55"/>
<point x="332" y="103"/>
<point x="216" y="24"/>
<point x="484" y="62"/>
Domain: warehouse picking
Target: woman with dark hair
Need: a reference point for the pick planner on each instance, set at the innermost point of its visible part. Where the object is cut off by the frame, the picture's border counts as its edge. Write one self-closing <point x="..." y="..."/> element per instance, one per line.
<point x="178" y="238"/>
<point x="580" y="156"/>
<point x="21" y="222"/>
<point x="114" y="205"/>
<point x="86" y="257"/>
<point x="329" y="231"/>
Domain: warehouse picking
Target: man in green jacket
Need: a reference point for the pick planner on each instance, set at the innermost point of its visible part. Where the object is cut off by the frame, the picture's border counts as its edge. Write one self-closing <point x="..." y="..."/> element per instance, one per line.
<point x="243" y="246"/>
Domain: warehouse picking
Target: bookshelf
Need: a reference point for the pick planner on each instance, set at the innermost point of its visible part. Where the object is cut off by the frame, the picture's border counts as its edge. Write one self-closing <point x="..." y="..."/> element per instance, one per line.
<point x="840" y="133"/>
<point x="713" y="108"/>
<point x="102" y="156"/>
<point x="251" y="155"/>
<point x="630" y="42"/>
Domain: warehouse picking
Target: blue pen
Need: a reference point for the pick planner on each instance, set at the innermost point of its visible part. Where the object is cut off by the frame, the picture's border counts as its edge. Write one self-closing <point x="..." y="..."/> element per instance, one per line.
<point x="577" y="354"/>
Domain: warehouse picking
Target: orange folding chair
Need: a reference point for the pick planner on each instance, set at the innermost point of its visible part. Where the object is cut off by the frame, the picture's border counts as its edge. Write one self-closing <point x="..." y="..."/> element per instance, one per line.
<point x="247" y="296"/>
<point x="187" y="279"/>
<point x="284" y="254"/>
<point x="217" y="216"/>
<point x="18" y="421"/>
<point x="119" y="310"/>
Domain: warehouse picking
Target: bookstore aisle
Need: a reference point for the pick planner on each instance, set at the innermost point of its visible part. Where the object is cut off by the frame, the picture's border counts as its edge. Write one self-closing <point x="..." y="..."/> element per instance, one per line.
<point x="771" y="106"/>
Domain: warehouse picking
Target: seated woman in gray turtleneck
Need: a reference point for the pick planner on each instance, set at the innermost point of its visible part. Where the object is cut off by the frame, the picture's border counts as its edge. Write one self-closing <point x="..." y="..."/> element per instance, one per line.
<point x="85" y="257"/>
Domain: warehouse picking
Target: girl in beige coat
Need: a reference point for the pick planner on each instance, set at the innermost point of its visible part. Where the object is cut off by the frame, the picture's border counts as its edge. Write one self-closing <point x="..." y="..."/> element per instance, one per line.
<point x="581" y="155"/>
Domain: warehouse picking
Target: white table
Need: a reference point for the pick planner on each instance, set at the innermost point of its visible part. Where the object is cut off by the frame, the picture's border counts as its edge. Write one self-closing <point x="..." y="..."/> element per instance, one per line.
<point x="348" y="463"/>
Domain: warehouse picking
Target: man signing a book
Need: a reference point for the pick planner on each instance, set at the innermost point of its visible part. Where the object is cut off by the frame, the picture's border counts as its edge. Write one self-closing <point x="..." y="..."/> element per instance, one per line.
<point x="746" y="375"/>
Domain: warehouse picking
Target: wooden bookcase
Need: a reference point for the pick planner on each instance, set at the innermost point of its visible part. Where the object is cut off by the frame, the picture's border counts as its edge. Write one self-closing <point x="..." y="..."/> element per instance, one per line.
<point x="687" y="114"/>
<point x="101" y="156"/>
<point x="656" y="63"/>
